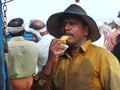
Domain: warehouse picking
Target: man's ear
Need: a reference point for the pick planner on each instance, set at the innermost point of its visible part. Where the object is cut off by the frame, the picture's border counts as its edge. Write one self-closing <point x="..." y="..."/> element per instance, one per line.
<point x="86" y="31"/>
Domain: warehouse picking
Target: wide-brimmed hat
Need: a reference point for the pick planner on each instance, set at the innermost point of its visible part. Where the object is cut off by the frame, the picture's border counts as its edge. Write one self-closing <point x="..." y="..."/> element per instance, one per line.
<point x="53" y="22"/>
<point x="117" y="21"/>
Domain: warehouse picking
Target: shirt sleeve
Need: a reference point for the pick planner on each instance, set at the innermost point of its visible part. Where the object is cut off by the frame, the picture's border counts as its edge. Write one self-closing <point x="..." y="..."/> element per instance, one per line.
<point x="110" y="73"/>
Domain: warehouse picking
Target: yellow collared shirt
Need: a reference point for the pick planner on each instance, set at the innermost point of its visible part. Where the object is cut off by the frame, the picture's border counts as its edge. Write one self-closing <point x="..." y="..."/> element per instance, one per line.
<point x="93" y="69"/>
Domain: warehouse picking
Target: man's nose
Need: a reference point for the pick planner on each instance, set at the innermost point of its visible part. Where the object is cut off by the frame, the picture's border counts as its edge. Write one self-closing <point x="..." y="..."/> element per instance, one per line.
<point x="67" y="27"/>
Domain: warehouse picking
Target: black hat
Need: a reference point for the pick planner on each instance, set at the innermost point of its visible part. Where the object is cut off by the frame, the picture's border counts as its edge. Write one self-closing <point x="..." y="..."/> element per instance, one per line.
<point x="53" y="22"/>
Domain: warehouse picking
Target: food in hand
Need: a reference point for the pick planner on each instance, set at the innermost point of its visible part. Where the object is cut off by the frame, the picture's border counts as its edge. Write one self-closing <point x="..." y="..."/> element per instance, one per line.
<point x="65" y="37"/>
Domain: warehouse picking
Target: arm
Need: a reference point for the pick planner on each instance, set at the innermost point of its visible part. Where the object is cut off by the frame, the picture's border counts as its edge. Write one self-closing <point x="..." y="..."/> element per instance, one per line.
<point x="55" y="51"/>
<point x="43" y="80"/>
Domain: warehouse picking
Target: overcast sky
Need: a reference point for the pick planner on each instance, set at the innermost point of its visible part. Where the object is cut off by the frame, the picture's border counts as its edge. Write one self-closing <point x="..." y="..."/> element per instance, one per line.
<point x="99" y="10"/>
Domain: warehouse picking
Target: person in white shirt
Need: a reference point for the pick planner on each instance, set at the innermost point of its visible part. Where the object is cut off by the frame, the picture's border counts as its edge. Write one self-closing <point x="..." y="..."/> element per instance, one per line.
<point x="38" y="28"/>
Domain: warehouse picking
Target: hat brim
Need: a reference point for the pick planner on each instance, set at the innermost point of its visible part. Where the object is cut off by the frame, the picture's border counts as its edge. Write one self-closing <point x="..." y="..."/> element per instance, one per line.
<point x="54" y="29"/>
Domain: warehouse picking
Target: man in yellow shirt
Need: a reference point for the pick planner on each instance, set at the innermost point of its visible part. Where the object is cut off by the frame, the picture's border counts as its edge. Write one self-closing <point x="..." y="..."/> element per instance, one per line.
<point x="83" y="66"/>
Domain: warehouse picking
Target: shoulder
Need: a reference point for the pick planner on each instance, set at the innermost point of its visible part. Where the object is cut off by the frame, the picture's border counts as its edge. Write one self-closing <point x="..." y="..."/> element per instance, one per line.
<point x="101" y="52"/>
<point x="105" y="55"/>
<point x="30" y="42"/>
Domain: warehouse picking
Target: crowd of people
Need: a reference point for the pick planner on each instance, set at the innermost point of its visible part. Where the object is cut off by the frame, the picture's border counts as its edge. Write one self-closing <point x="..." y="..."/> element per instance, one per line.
<point x="21" y="53"/>
<point x="110" y="35"/>
<point x="82" y="66"/>
<point x="40" y="32"/>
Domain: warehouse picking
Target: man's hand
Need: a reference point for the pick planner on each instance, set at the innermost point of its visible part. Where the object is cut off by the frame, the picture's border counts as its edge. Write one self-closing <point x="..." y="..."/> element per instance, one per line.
<point x="55" y="51"/>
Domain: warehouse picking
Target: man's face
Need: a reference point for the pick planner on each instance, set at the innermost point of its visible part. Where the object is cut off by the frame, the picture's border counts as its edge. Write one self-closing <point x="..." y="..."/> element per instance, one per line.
<point x="74" y="27"/>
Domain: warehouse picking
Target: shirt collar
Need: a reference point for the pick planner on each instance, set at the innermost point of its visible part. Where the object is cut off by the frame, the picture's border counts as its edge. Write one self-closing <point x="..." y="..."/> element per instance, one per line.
<point x="17" y="38"/>
<point x="85" y="45"/>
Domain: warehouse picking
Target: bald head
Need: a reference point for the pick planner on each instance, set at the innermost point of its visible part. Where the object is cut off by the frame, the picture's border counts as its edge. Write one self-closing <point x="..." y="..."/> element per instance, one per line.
<point x="36" y="24"/>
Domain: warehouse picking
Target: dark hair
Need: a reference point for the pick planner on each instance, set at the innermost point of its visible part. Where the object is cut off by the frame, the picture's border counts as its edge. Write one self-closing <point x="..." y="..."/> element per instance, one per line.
<point x="16" y="22"/>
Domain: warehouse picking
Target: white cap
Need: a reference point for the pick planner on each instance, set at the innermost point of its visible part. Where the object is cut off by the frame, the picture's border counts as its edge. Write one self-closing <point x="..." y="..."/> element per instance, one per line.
<point x="117" y="21"/>
<point x="15" y="29"/>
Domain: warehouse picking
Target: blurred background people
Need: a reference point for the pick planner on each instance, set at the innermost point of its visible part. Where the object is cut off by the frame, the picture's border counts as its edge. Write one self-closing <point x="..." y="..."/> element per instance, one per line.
<point x="116" y="48"/>
<point x="43" y="38"/>
<point x="22" y="56"/>
<point x="105" y="30"/>
<point x="111" y="39"/>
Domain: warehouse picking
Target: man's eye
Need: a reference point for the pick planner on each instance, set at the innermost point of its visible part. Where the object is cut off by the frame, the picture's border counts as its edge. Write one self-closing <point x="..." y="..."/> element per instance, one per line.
<point x="72" y="23"/>
<point x="63" y="24"/>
